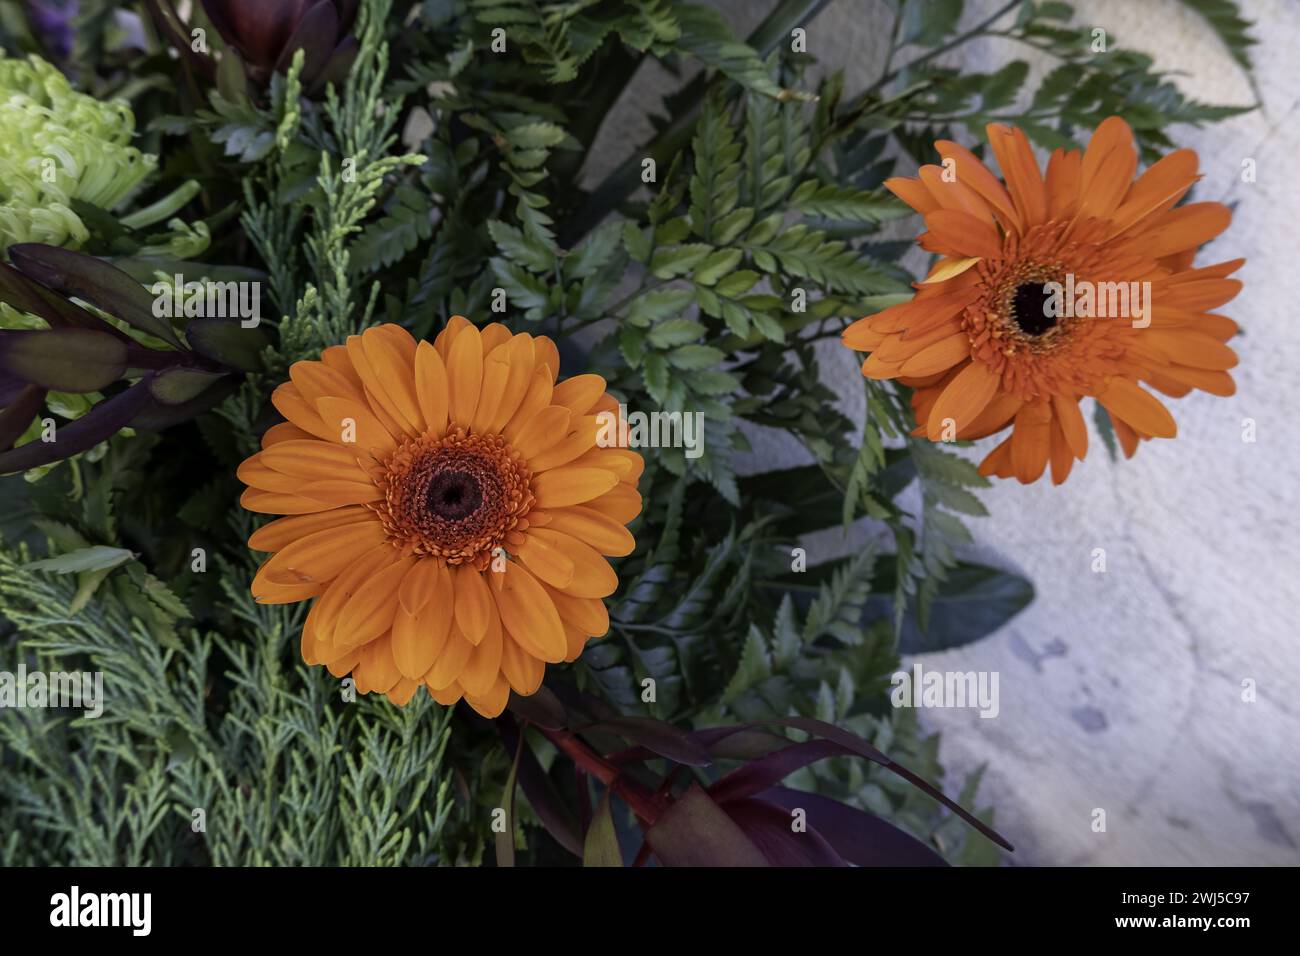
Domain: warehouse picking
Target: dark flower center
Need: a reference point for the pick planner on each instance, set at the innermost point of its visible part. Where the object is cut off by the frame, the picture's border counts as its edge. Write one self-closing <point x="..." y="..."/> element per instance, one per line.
<point x="1029" y="308"/>
<point x="454" y="495"/>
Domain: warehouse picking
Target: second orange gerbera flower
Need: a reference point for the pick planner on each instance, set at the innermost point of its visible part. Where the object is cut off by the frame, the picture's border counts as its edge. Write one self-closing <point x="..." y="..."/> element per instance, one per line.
<point x="992" y="339"/>
<point x="448" y="509"/>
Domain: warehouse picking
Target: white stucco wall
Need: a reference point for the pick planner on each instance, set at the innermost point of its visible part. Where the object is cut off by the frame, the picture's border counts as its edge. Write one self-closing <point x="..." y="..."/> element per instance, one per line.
<point x="1122" y="691"/>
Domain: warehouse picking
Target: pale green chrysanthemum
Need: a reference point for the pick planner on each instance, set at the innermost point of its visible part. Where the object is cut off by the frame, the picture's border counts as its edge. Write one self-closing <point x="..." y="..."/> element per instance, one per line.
<point x="58" y="145"/>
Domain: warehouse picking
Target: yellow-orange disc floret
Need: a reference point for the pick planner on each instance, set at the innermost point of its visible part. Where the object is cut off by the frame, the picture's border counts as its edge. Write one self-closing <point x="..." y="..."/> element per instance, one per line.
<point x="449" y="511"/>
<point x="983" y="347"/>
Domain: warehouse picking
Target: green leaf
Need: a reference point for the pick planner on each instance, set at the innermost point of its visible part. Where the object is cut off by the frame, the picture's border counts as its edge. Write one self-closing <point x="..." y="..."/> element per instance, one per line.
<point x="705" y="35"/>
<point x="692" y="357"/>
<point x="671" y="261"/>
<point x="1101" y="418"/>
<point x="591" y="255"/>
<point x="517" y="247"/>
<point x="675" y="332"/>
<point x="974" y="602"/>
<point x="601" y="845"/>
<point x="929" y="22"/>
<point x="525" y="290"/>
<point x="833" y="201"/>
<point x="1000" y="88"/>
<point x="755" y="666"/>
<point x="657" y="305"/>
<point x="535" y="136"/>
<point x="636" y="241"/>
<point x="504" y="839"/>
<point x="94" y="558"/>
<point x="716" y="265"/>
<point x="405" y="224"/>
<point x="1225" y="19"/>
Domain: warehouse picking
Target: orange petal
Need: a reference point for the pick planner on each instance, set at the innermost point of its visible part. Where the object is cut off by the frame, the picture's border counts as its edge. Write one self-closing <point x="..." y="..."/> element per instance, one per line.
<point x="369" y="611"/>
<point x="418" y="639"/>
<point x="519" y="355"/>
<point x="602" y="532"/>
<point x="941" y="355"/>
<point x="548" y="562"/>
<point x="570" y="485"/>
<point x="492" y="703"/>
<point x="465" y="374"/>
<point x="281" y="532"/>
<point x="522" y="670"/>
<point x="1070" y="419"/>
<point x="536" y="398"/>
<point x="528" y="613"/>
<point x="622" y="503"/>
<point x="473" y="602"/>
<point x="483" y="668"/>
<point x="961" y="234"/>
<point x="1187" y="227"/>
<point x="1138" y="407"/>
<point x="547" y="427"/>
<point x="964" y="398"/>
<point x="1020" y="170"/>
<point x="592" y="576"/>
<point x="431" y="388"/>
<point x="390" y="361"/>
<point x="427" y="580"/>
<point x="354" y="424"/>
<point x="1031" y="441"/>
<point x="453" y="657"/>
<point x="976" y="175"/>
<point x="579" y="394"/>
<point x="912" y="192"/>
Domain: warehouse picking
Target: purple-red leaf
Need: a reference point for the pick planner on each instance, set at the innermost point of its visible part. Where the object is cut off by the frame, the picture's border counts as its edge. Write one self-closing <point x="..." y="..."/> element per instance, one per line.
<point x="27" y="295"/>
<point x="316" y="35"/>
<point x="772" y="829"/>
<point x="695" y="831"/>
<point x="18" y="413"/>
<point x="819" y="728"/>
<point x="658" y="736"/>
<point x="228" y="342"/>
<point x="176" y="386"/>
<point x="542" y="708"/>
<point x="170" y="26"/>
<point x="96" y="282"/>
<point x="156" y="417"/>
<point x="859" y="837"/>
<point x="101" y="422"/>
<point x="65" y="360"/>
<point x="769" y="770"/>
<point x="542" y="797"/>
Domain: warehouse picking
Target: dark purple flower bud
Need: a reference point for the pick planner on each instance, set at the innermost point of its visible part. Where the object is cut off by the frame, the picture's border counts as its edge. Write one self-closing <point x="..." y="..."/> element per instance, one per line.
<point x="267" y="33"/>
<point x="51" y="23"/>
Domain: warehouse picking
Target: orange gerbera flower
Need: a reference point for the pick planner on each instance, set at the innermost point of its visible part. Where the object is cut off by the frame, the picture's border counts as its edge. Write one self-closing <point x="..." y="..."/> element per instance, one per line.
<point x="449" y="507"/>
<point x="1014" y="325"/>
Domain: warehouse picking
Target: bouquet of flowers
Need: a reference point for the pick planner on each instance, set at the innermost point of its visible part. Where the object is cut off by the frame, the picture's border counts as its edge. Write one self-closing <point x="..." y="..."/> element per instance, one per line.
<point x="380" y="484"/>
